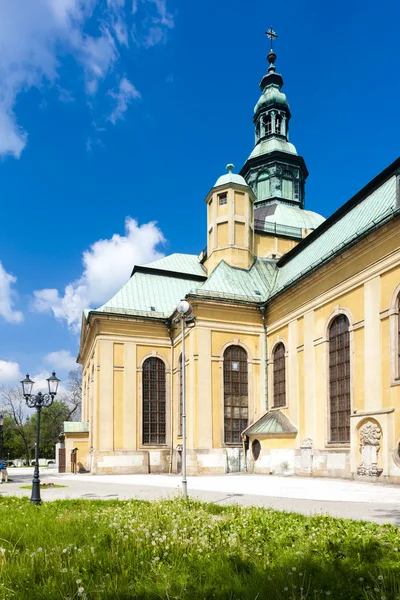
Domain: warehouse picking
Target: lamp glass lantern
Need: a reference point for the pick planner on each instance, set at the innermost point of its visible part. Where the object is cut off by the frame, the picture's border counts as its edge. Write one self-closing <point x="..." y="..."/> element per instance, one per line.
<point x="184" y="308"/>
<point x="53" y="382"/>
<point x="27" y="385"/>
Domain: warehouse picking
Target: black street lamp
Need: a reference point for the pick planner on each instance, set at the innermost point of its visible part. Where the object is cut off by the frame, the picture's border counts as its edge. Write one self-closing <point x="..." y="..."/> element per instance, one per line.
<point x="38" y="401"/>
<point x="1" y="437"/>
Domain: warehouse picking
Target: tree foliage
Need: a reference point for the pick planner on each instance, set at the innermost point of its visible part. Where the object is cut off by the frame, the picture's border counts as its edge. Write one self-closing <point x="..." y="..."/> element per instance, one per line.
<point x="19" y="430"/>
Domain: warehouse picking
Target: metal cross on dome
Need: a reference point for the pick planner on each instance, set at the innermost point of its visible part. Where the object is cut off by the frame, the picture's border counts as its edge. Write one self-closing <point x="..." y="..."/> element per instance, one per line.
<point x="271" y="34"/>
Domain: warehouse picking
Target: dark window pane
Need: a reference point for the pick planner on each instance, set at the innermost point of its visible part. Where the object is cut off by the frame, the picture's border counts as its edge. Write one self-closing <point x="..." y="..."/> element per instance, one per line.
<point x="279" y="370"/>
<point x="235" y="394"/>
<point x="339" y="379"/>
<point x="154" y="407"/>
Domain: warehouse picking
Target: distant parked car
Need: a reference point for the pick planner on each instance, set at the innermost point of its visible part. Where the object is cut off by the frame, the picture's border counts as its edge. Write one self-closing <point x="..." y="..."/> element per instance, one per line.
<point x="44" y="462"/>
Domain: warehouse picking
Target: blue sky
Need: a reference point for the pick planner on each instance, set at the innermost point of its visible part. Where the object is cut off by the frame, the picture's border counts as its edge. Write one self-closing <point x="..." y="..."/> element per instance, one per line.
<point x="116" y="114"/>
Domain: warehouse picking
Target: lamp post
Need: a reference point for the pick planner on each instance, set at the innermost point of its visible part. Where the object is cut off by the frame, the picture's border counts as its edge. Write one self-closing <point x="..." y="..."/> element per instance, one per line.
<point x="38" y="401"/>
<point x="1" y="437"/>
<point x="184" y="309"/>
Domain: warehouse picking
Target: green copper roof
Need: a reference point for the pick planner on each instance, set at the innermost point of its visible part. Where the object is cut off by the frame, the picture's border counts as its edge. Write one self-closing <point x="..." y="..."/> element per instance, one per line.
<point x="376" y="207"/>
<point x="268" y="145"/>
<point x="230" y="177"/>
<point x="271" y="96"/>
<point x="285" y="214"/>
<point x="273" y="422"/>
<point x="179" y="263"/>
<point x="254" y="285"/>
<point x="149" y="295"/>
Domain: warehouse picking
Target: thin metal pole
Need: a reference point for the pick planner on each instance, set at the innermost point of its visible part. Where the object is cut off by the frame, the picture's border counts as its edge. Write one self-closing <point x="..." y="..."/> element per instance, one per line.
<point x="1" y="442"/>
<point x="183" y="375"/>
<point x="35" y="496"/>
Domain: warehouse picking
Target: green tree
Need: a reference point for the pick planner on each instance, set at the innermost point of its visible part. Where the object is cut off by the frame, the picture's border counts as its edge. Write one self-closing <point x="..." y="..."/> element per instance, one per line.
<point x="51" y="425"/>
<point x="14" y="404"/>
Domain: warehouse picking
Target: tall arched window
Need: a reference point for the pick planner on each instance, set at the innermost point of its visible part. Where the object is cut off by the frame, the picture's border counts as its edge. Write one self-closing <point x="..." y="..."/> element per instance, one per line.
<point x="287" y="185"/>
<point x="339" y="379"/>
<point x="278" y="121"/>
<point x="154" y="398"/>
<point x="279" y="376"/>
<point x="267" y="125"/>
<point x="263" y="186"/>
<point x="236" y="400"/>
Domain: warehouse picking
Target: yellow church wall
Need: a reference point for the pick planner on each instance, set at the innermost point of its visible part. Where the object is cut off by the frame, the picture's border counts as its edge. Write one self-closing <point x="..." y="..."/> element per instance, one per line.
<point x="118" y="416"/>
<point x="210" y="207"/>
<point x="265" y="245"/>
<point x="358" y="371"/>
<point x="222" y="234"/>
<point x="385" y="364"/>
<point x="278" y="442"/>
<point x="216" y="395"/>
<point x="239" y="204"/>
<point x="220" y="338"/>
<point x="146" y="350"/>
<point x="222" y="209"/>
<point x="239" y="234"/>
<point x="235" y="317"/>
<point x="118" y="355"/>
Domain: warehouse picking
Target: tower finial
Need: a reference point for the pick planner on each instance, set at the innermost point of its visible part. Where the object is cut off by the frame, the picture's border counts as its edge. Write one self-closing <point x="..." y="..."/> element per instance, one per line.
<point x="230" y="167"/>
<point x="272" y="36"/>
<point x="271" y="55"/>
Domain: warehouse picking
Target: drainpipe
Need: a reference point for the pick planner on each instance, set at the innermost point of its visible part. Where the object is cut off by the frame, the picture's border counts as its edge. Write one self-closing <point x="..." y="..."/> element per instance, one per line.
<point x="168" y="324"/>
<point x="263" y="310"/>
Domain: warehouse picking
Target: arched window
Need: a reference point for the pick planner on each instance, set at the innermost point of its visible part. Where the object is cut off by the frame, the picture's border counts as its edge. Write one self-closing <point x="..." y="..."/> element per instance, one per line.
<point x="180" y="396"/>
<point x="154" y="409"/>
<point x="287" y="185"/>
<point x="278" y="121"/>
<point x="263" y="186"/>
<point x="279" y="376"/>
<point x="267" y="125"/>
<point x="236" y="401"/>
<point x="339" y="379"/>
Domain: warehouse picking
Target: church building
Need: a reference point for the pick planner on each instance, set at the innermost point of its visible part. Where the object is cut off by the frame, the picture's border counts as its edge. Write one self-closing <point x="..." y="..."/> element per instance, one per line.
<point x="293" y="352"/>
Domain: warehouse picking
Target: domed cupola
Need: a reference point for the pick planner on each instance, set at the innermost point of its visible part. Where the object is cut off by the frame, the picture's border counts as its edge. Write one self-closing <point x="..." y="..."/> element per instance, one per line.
<point x="274" y="170"/>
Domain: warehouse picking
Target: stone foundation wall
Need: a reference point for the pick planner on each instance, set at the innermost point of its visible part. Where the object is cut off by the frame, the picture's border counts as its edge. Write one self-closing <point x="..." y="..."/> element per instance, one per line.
<point x="306" y="462"/>
<point x="120" y="462"/>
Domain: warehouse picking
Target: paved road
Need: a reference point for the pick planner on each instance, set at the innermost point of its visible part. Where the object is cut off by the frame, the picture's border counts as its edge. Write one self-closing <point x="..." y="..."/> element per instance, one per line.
<point x="339" y="498"/>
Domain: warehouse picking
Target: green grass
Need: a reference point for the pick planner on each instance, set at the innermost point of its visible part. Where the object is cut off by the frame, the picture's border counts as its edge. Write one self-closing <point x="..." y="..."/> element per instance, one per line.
<point x="29" y="487"/>
<point x="82" y="549"/>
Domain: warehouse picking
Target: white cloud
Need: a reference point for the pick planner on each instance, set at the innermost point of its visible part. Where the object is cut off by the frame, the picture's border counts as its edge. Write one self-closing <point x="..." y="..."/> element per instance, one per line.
<point x="10" y="372"/>
<point x="157" y="21"/>
<point x="107" y="266"/>
<point x="125" y="94"/>
<point x="6" y="302"/>
<point x="36" y="35"/>
<point x="62" y="359"/>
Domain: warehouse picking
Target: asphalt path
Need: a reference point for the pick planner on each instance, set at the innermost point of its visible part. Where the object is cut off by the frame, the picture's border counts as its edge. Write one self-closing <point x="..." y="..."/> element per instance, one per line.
<point x="338" y="498"/>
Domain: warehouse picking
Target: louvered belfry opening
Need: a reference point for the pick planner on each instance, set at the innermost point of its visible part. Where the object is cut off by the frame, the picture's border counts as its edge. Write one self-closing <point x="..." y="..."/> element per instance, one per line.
<point x="236" y="400"/>
<point x="279" y="376"/>
<point x="339" y="379"/>
<point x="154" y="409"/>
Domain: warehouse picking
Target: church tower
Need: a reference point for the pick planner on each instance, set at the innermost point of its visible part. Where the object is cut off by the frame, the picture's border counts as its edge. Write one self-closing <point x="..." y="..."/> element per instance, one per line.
<point x="274" y="170"/>
<point x="230" y="222"/>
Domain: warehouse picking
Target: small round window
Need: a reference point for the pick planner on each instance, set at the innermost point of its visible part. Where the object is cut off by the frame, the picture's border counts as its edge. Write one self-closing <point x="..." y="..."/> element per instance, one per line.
<point x="255" y="449"/>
